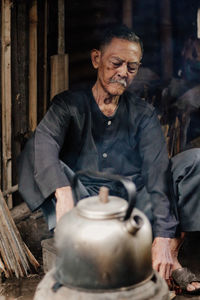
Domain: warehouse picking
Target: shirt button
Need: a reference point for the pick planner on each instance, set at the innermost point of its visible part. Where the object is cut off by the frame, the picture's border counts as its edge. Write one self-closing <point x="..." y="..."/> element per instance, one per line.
<point x="105" y="155"/>
<point x="109" y="122"/>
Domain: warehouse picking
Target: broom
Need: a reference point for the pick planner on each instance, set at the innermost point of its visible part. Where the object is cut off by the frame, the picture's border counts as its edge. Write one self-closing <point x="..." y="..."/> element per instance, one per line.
<point x="15" y="257"/>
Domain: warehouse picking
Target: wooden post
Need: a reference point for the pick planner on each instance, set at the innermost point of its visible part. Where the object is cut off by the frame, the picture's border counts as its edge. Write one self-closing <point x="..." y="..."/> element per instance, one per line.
<point x="198" y="23"/>
<point x="127" y="13"/>
<point x="6" y="96"/>
<point x="61" y="27"/>
<point x="166" y="40"/>
<point x="33" y="65"/>
<point x="45" y="56"/>
<point x="59" y="63"/>
<point x="19" y="58"/>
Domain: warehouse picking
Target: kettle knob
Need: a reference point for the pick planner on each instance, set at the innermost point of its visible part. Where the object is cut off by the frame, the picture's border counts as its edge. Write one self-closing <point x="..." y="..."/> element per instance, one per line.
<point x="103" y="194"/>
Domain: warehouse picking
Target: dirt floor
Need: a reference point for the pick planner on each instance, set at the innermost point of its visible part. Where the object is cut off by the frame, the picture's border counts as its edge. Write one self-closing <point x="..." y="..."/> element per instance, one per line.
<point x="24" y="289"/>
<point x="19" y="289"/>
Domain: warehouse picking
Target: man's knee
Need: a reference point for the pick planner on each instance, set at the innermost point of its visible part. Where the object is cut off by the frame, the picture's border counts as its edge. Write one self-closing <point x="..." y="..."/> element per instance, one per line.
<point x="185" y="161"/>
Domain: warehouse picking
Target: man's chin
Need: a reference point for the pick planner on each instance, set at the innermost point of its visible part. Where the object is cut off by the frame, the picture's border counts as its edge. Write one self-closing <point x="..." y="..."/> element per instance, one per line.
<point x="117" y="91"/>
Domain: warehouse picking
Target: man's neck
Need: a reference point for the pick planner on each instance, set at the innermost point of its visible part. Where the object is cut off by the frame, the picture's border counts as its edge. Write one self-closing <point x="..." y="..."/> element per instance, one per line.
<point x="107" y="103"/>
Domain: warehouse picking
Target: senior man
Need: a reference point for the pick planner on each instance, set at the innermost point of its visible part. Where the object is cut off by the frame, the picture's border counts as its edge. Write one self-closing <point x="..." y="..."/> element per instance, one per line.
<point x="105" y="128"/>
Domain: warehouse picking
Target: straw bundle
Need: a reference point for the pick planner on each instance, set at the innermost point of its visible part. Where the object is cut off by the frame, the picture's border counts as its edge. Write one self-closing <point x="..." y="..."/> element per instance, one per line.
<point x="15" y="257"/>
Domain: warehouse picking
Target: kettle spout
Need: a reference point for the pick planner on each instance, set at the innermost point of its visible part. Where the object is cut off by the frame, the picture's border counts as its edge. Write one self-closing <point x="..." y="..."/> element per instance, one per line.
<point x="133" y="224"/>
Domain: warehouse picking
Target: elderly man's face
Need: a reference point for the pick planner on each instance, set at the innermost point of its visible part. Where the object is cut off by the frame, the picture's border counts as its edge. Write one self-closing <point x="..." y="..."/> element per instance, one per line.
<point x="117" y="65"/>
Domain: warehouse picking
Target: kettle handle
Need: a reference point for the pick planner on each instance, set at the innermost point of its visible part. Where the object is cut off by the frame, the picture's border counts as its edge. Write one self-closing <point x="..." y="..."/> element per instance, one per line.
<point x="127" y="183"/>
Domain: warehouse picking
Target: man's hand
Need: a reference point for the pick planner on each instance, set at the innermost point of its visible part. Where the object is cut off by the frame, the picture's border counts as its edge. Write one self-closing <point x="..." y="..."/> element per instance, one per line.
<point x="162" y="260"/>
<point x="64" y="201"/>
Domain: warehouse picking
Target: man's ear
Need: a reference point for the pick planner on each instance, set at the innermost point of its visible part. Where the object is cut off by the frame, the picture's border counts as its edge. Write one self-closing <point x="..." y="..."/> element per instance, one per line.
<point x="95" y="57"/>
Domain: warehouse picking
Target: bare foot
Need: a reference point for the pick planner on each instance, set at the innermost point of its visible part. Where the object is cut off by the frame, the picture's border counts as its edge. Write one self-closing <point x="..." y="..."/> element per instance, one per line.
<point x="175" y="246"/>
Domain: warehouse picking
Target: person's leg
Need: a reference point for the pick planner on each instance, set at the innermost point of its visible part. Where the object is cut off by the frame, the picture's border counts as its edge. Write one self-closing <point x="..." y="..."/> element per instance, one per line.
<point x="186" y="179"/>
<point x="186" y="183"/>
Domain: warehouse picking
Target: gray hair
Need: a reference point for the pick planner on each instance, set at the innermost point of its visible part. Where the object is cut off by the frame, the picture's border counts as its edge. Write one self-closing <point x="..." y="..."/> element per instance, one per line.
<point x="120" y="32"/>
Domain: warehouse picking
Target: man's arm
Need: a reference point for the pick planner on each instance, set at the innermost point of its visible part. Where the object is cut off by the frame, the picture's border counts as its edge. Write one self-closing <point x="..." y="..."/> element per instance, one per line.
<point x="64" y="201"/>
<point x="162" y="260"/>
<point x="39" y="168"/>
<point x="155" y="169"/>
<point x="49" y="138"/>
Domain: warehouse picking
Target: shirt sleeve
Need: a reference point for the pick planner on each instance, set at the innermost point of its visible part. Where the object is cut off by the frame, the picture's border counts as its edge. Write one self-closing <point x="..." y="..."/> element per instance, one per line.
<point x="155" y="171"/>
<point x="48" y="141"/>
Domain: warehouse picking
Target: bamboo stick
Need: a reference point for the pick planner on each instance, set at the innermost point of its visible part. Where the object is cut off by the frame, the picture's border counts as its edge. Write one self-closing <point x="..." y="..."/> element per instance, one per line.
<point x="2" y="267"/>
<point x="6" y="96"/>
<point x="33" y="65"/>
<point x="32" y="259"/>
<point x="11" y="190"/>
<point x="5" y="257"/>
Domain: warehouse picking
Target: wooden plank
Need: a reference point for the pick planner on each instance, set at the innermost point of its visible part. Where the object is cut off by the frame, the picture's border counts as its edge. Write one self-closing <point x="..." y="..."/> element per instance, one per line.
<point x="33" y="65"/>
<point x="59" y="73"/>
<point x="59" y="63"/>
<point x="61" y="27"/>
<point x="6" y="96"/>
<point x="127" y="13"/>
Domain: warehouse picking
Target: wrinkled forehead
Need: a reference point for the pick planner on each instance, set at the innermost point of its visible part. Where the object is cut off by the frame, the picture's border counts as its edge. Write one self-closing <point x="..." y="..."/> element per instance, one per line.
<point x="123" y="49"/>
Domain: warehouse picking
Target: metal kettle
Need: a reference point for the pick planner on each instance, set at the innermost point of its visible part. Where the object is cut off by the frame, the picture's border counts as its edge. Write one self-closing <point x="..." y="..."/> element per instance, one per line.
<point x="104" y="243"/>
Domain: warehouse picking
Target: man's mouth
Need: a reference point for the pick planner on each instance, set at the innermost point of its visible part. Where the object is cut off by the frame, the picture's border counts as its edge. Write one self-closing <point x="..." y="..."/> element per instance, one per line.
<point x="120" y="81"/>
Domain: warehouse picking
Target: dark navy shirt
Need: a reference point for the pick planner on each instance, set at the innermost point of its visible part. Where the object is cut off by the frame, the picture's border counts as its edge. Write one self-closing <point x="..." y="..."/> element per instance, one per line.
<point x="130" y="143"/>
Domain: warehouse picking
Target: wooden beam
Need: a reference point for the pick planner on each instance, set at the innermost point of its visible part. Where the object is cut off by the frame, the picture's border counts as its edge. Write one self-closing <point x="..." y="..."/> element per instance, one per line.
<point x="6" y="96"/>
<point x="127" y="13"/>
<point x="33" y="65"/>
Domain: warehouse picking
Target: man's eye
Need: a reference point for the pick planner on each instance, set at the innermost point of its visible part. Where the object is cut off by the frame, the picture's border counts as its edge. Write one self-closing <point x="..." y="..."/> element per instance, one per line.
<point x="116" y="65"/>
<point x="133" y="70"/>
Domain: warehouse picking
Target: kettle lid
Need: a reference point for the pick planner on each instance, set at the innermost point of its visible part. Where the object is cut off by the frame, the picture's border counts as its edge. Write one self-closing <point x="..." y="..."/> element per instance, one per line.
<point x="102" y="206"/>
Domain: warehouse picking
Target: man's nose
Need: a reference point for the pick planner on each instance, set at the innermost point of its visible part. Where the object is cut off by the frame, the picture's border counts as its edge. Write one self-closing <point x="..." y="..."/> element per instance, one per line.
<point x="123" y="70"/>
